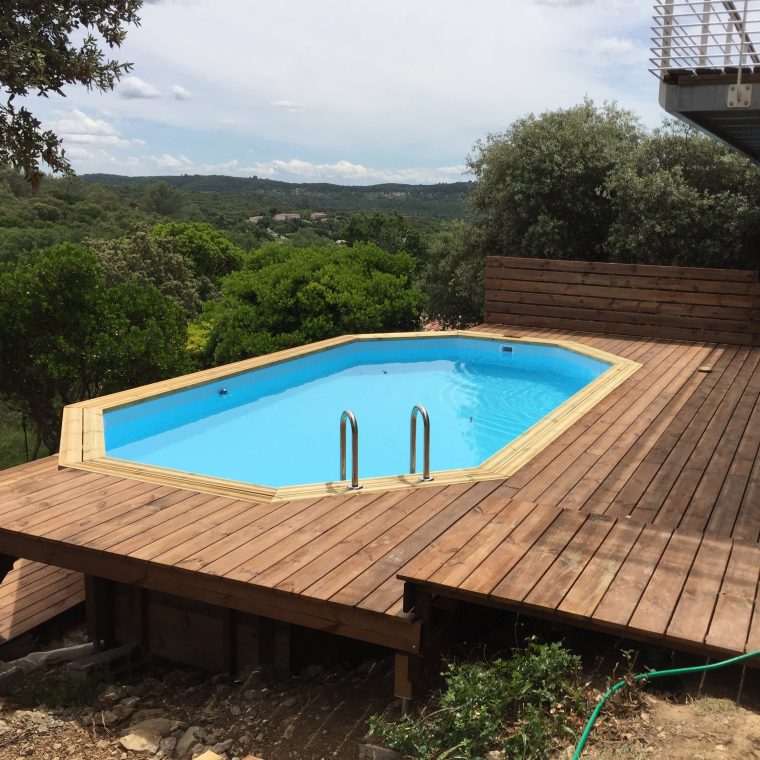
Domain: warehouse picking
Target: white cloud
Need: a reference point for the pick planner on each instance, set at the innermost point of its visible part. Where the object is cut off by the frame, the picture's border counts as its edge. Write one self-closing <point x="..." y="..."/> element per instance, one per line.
<point x="288" y="105"/>
<point x="292" y="170"/>
<point x="619" y="49"/>
<point x="77" y="128"/>
<point x="180" y="93"/>
<point x="381" y="85"/>
<point x="134" y="88"/>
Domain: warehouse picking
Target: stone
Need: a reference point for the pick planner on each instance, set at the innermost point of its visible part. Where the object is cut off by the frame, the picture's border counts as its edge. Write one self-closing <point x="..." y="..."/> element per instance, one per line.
<point x="312" y="671"/>
<point x="373" y="752"/>
<point x="168" y="745"/>
<point x="254" y="681"/>
<point x="146" y="736"/>
<point x="289" y="731"/>
<point x="235" y="710"/>
<point x="495" y="754"/>
<point x="148" y="713"/>
<point x="192" y="736"/>
<point x="289" y="702"/>
<point x="222" y="747"/>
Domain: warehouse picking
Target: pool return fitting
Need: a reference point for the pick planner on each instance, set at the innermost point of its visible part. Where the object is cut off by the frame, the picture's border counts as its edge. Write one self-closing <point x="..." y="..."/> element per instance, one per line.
<point x="349" y="416"/>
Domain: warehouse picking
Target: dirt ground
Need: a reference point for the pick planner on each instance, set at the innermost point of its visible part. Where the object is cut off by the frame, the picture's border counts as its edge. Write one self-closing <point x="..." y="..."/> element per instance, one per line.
<point x="322" y="712"/>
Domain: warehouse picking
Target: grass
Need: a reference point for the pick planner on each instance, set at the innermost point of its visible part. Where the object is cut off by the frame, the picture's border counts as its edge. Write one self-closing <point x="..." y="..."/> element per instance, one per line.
<point x="51" y="690"/>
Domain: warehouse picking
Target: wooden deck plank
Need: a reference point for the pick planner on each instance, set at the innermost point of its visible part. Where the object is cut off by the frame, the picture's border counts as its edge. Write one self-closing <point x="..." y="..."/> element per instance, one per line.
<point x="550" y="590"/>
<point x="585" y="594"/>
<point x="380" y="577"/>
<point x="32" y="594"/>
<point x="657" y="602"/>
<point x="543" y="556"/>
<point x="364" y="545"/>
<point x="693" y="613"/>
<point x="732" y="618"/>
<point x="635" y="575"/>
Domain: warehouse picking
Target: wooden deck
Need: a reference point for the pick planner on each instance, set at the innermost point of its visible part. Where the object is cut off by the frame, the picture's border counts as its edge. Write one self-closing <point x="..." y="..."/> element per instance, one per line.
<point x="642" y="517"/>
<point x="32" y="594"/>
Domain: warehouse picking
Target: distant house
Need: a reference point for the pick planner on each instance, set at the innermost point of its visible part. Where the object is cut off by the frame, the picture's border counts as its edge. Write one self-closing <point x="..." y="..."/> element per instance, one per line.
<point x="286" y="217"/>
<point x="255" y="219"/>
<point x="317" y="216"/>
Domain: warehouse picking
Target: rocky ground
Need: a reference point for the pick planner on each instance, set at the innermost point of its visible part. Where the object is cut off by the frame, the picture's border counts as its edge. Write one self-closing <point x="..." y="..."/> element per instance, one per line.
<point x="183" y="713"/>
<point x="320" y="713"/>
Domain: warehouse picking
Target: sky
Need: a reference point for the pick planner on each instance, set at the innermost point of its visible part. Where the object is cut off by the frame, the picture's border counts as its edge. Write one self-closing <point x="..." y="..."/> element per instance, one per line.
<point x="347" y="91"/>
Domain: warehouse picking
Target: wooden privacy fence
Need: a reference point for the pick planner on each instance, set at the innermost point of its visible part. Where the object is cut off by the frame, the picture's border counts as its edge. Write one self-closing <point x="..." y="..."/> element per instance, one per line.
<point x="687" y="303"/>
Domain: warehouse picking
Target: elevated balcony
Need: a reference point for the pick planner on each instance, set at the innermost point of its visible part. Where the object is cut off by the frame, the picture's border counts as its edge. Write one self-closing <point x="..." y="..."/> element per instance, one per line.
<point x="707" y="61"/>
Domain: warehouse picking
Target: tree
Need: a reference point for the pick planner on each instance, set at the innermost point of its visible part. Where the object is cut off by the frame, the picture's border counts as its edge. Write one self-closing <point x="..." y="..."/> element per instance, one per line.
<point x="684" y="199"/>
<point x="38" y="55"/>
<point x="453" y="276"/>
<point x="391" y="232"/>
<point x="183" y="261"/>
<point x="286" y="296"/>
<point x="539" y="189"/>
<point x="163" y="199"/>
<point x="66" y="335"/>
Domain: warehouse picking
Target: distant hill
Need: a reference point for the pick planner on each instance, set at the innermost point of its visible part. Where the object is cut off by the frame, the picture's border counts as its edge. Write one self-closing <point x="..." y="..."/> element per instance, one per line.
<point x="442" y="201"/>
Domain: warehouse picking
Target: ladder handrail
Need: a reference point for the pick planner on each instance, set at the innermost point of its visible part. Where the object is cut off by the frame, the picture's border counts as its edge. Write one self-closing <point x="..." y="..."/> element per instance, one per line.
<point x="419" y="409"/>
<point x="351" y="417"/>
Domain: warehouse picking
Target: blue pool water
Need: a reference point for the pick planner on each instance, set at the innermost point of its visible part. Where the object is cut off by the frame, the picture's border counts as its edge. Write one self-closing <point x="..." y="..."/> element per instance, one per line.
<point x="278" y="425"/>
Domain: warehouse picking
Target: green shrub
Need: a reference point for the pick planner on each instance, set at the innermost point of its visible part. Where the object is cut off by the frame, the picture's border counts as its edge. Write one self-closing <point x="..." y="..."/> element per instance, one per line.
<point x="523" y="705"/>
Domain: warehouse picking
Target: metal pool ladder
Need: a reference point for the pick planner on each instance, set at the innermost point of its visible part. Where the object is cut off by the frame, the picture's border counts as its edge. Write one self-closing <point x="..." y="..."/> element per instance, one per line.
<point x="351" y="417"/>
<point x="419" y="409"/>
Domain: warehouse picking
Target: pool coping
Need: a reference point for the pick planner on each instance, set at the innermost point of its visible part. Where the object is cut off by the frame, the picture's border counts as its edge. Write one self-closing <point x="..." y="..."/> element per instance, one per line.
<point x="83" y="443"/>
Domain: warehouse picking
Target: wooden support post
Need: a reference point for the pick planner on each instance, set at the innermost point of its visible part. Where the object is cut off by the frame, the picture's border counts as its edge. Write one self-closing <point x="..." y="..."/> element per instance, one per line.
<point x="97" y="598"/>
<point x="274" y="644"/>
<point x="229" y="641"/>
<point x="408" y="671"/>
<point x="6" y="565"/>
<point x="139" y="615"/>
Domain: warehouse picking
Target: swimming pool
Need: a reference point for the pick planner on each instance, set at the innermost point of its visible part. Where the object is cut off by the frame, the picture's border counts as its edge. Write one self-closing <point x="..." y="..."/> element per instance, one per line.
<point x="276" y="425"/>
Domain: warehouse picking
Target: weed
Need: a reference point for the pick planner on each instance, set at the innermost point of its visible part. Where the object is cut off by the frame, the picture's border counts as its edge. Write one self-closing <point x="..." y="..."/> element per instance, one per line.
<point x="51" y="690"/>
<point x="524" y="705"/>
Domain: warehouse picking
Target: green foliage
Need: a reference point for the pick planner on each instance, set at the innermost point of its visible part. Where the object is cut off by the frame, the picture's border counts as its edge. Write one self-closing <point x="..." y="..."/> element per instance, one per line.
<point x="589" y="183"/>
<point x="391" y="232"/>
<point x="163" y="199"/>
<point x="66" y="335"/>
<point x="286" y="296"/>
<point x="539" y="184"/>
<point x="525" y="705"/>
<point x="183" y="261"/>
<point x="453" y="276"/>
<point x="54" y="690"/>
<point x="684" y="199"/>
<point x="45" y="46"/>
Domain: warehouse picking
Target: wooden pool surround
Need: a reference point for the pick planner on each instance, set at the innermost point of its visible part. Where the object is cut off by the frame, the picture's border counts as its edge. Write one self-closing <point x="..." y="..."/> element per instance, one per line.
<point x="83" y="442"/>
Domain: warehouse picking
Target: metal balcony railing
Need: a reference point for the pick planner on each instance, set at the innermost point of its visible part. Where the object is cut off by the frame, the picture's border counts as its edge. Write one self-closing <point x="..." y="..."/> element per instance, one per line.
<point x="705" y="37"/>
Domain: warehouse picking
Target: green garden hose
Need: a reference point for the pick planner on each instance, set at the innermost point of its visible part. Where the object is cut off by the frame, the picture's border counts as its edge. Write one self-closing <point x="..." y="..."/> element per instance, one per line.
<point x="646" y="677"/>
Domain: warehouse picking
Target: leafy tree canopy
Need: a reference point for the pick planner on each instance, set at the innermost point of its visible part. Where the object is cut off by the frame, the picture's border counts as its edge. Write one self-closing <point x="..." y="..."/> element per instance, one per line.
<point x="184" y="261"/>
<point x="453" y="276"/>
<point x="66" y="335"/>
<point x="38" y="56"/>
<point x="286" y="296"/>
<point x="391" y="232"/>
<point x="539" y="185"/>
